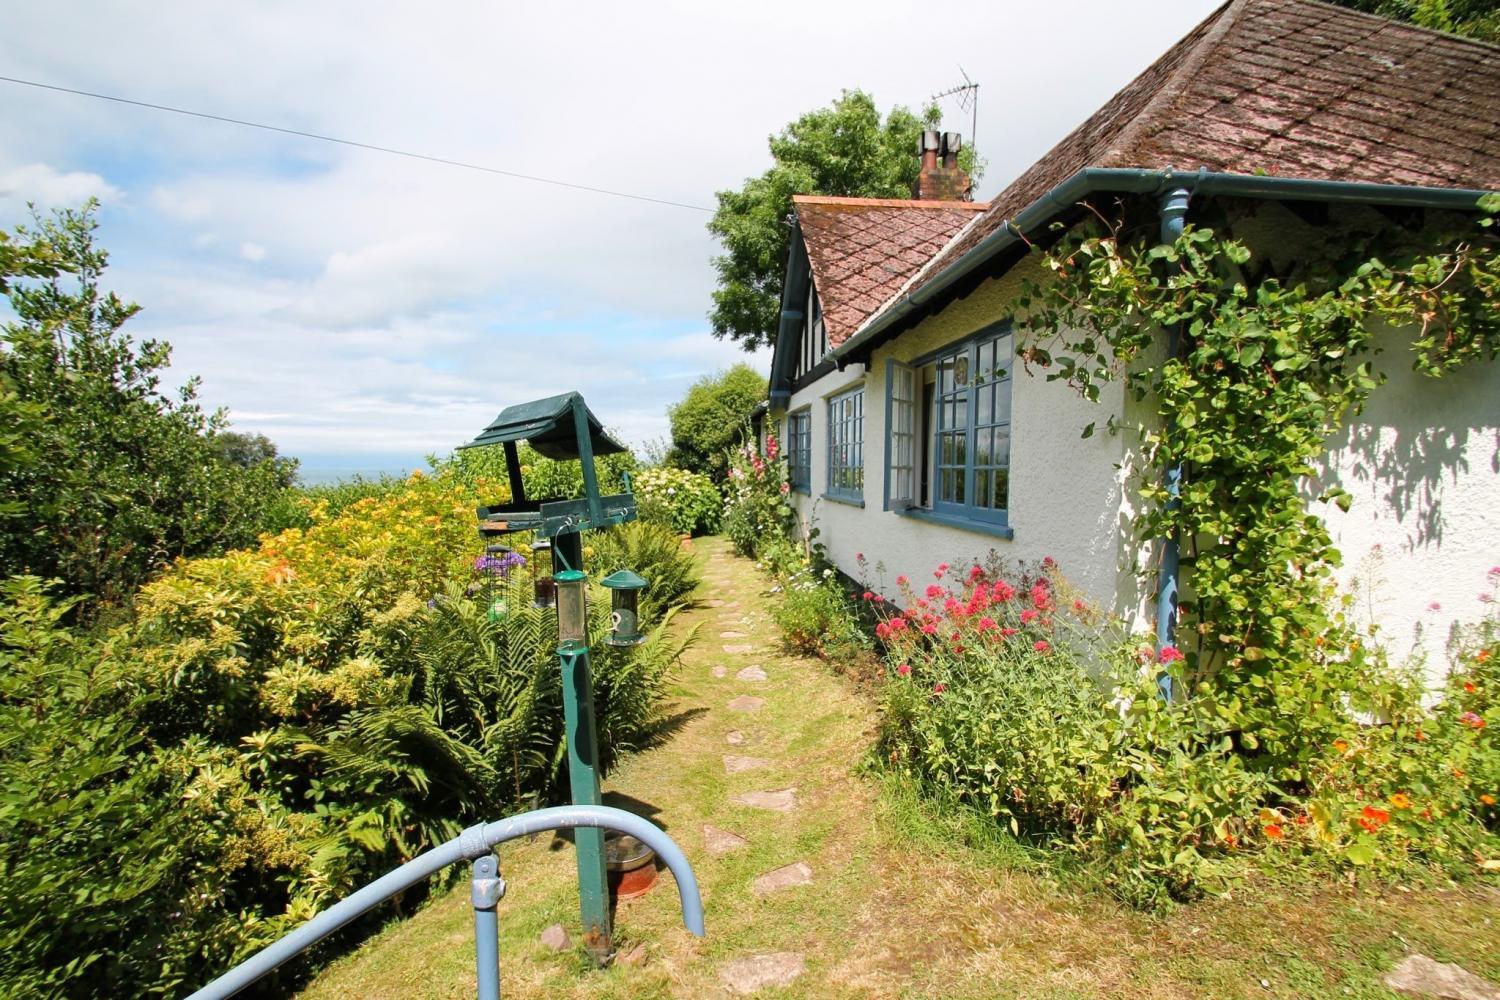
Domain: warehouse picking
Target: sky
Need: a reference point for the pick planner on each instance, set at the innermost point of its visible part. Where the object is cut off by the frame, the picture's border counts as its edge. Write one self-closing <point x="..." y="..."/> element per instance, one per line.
<point x="364" y="310"/>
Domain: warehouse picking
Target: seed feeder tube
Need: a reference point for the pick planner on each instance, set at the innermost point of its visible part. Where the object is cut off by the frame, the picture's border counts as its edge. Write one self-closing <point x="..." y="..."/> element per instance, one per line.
<point x="624" y="599"/>
<point x="543" y="586"/>
<point x="572" y="611"/>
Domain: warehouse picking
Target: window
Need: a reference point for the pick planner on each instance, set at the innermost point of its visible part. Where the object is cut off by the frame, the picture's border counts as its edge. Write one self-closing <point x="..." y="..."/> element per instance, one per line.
<point x="846" y="445"/>
<point x="948" y="433"/>
<point x="799" y="449"/>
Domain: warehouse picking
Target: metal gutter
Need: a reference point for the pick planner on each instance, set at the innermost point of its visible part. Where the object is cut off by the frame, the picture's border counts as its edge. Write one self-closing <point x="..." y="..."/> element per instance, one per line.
<point x="1122" y="180"/>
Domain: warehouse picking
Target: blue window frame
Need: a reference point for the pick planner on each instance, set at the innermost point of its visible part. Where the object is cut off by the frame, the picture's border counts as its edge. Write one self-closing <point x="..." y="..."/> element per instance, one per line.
<point x="846" y="445"/>
<point x="971" y="427"/>
<point x="799" y="449"/>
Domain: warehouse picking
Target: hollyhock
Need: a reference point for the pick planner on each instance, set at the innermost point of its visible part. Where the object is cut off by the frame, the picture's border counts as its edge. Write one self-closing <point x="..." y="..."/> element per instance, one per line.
<point x="1170" y="654"/>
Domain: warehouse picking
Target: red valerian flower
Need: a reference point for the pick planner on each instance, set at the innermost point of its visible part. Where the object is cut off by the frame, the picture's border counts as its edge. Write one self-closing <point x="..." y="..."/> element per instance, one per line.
<point x="878" y="598"/>
<point x="1027" y="615"/>
<point x="930" y="629"/>
<point x="904" y="670"/>
<point x="1170" y="654"/>
<point x="1008" y="632"/>
<point x="900" y="581"/>
<point x="1040" y="646"/>
<point x="1078" y="605"/>
<point x="975" y="573"/>
<point x="986" y="624"/>
<point x="939" y="688"/>
<point x="1002" y="592"/>
<point x="933" y="590"/>
<point x="950" y="605"/>
<point x="1040" y="595"/>
<point x="869" y="595"/>
<point x="1049" y="562"/>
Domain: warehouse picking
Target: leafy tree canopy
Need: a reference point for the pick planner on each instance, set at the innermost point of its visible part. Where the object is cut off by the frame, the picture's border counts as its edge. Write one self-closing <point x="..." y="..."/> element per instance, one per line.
<point x="1474" y="18"/>
<point x="708" y="421"/>
<point x="845" y="149"/>
<point x="103" y="475"/>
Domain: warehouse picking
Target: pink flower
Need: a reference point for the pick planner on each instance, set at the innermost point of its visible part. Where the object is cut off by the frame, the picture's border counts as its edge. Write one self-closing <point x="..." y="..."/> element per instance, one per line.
<point x="869" y="595"/>
<point x="1049" y="562"/>
<point x="1472" y="720"/>
<point x="933" y="590"/>
<point x="1008" y="632"/>
<point x="1040" y="646"/>
<point x="942" y="567"/>
<point x="879" y="598"/>
<point x="939" y="688"/>
<point x="950" y="605"/>
<point x="975" y="573"/>
<point x="786" y="488"/>
<point x="1028" y="615"/>
<point x="1078" y="605"/>
<point x="986" y="624"/>
<point x="1169" y="654"/>
<point x="1002" y="591"/>
<point x="901" y="581"/>
<point x="1434" y="606"/>
<point x="929" y="629"/>
<point x="904" y="670"/>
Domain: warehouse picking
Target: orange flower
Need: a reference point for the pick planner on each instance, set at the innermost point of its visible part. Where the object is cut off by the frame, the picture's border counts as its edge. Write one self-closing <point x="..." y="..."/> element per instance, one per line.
<point x="1401" y="800"/>
<point x="1230" y="840"/>
<point x="1469" y="687"/>
<point x="1342" y="746"/>
<point x="1420" y="736"/>
<point x="1487" y="799"/>
<point x="1484" y="654"/>
<point x="1273" y="830"/>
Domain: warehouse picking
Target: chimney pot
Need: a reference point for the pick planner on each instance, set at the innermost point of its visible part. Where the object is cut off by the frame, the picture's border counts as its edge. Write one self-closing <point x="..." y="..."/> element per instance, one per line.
<point x="943" y="181"/>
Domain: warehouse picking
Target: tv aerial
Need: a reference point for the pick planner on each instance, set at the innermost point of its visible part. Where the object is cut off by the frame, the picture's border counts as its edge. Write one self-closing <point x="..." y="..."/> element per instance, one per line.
<point x="968" y="100"/>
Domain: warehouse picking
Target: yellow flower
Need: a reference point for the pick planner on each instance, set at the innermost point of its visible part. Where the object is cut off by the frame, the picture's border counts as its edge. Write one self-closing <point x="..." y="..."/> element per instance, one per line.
<point x="1401" y="800"/>
<point x="1342" y="746"/>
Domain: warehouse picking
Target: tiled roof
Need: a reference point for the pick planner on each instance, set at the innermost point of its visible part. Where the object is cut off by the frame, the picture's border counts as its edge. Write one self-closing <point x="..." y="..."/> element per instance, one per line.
<point x="1291" y="88"/>
<point x="863" y="249"/>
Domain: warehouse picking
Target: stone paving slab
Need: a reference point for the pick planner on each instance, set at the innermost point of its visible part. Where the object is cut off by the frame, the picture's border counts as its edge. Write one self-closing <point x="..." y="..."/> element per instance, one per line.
<point x="754" y="673"/>
<point x="735" y="764"/>
<point x="744" y="976"/>
<point x="783" y="800"/>
<point x="719" y="842"/>
<point x="785" y="877"/>
<point x="740" y="649"/>
<point x="734" y="738"/>
<point x="747" y="703"/>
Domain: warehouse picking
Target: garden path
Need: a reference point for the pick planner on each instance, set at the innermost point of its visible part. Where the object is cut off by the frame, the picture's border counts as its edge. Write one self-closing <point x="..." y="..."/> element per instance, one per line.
<point x="819" y="882"/>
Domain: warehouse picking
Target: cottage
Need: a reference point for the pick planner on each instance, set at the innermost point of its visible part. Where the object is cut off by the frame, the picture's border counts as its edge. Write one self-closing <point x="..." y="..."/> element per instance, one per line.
<point x="913" y="437"/>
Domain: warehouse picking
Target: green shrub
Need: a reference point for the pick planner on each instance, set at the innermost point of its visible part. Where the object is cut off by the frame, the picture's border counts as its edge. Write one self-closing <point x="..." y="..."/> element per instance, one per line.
<point x="817" y="618"/>
<point x="544" y="478"/>
<point x="657" y="554"/>
<point x="109" y="475"/>
<point x="712" y="417"/>
<point x="687" y="502"/>
<point x="1021" y="700"/>
<point x="757" y="506"/>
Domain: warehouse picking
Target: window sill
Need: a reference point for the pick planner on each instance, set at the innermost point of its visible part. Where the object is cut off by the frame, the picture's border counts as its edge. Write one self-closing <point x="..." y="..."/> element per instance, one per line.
<point x="804" y="490"/>
<point x="850" y="501"/>
<point x="952" y="521"/>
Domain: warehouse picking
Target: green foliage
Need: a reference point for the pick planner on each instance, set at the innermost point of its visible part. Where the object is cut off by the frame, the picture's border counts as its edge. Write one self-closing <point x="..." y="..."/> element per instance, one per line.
<point x="1473" y="18"/>
<point x="657" y="554"/>
<point x="757" y="506"/>
<point x="274" y="727"/>
<point x="816" y="616"/>
<point x="845" y="149"/>
<point x="544" y="478"/>
<point x="712" y="417"/>
<point x="687" y="502"/>
<point x="104" y="476"/>
<point x="1267" y="369"/>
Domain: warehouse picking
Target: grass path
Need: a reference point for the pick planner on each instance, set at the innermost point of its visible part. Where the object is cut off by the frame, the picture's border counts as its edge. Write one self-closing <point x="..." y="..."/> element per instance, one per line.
<point x="872" y="897"/>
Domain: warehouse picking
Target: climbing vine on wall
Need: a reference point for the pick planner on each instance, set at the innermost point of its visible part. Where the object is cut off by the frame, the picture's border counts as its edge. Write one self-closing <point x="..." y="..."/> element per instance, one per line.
<point x="1269" y="365"/>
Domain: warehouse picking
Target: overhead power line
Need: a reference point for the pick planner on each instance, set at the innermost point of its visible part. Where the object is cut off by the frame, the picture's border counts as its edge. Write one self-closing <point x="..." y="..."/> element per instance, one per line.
<point x="358" y="145"/>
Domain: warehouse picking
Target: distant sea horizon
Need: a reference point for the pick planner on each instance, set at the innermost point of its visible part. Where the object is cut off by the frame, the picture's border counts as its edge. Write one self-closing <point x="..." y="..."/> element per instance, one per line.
<point x="322" y="472"/>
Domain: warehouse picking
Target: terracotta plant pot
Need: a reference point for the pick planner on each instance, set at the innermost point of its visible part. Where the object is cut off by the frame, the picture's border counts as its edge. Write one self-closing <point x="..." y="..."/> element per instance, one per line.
<point x="631" y="865"/>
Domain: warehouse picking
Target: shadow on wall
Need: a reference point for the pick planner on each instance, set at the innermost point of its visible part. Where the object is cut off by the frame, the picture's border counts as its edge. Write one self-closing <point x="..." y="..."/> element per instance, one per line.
<point x="1415" y="441"/>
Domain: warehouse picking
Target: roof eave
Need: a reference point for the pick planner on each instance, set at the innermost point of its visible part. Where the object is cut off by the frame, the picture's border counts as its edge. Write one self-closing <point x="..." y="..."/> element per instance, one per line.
<point x="1130" y="180"/>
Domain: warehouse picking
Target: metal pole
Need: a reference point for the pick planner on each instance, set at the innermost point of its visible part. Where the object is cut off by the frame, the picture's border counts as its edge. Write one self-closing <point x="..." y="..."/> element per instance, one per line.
<point x="583" y="776"/>
<point x="1173" y="212"/>
<point x="485" y="891"/>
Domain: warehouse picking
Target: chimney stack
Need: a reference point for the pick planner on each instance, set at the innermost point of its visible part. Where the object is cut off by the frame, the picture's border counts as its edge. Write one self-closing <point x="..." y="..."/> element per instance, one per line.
<point x="941" y="181"/>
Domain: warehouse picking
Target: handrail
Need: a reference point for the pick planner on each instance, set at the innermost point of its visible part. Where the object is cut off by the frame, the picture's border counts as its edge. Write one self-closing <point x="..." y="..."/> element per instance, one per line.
<point x="473" y="844"/>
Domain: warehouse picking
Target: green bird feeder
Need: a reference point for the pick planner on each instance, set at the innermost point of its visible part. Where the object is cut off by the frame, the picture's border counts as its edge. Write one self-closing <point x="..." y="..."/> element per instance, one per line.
<point x="624" y="598"/>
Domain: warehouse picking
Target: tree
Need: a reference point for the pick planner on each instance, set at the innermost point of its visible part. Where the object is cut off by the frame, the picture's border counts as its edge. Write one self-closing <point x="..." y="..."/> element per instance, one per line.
<point x="1478" y="19"/>
<point x="248" y="451"/>
<point x="103" y="476"/>
<point x="844" y="150"/>
<point x="708" y="421"/>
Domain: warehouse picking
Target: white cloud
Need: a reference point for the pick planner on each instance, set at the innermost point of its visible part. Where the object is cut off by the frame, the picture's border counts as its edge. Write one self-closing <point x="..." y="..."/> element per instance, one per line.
<point x="49" y="187"/>
<point x="397" y="304"/>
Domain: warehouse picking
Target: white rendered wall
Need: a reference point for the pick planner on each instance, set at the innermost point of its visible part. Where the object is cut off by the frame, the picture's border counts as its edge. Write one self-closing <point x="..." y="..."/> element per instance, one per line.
<point x="1066" y="495"/>
<point x="1423" y="464"/>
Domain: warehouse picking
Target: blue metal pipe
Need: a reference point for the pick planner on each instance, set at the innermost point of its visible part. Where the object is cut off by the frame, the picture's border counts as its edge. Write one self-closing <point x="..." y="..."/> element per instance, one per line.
<point x="473" y="843"/>
<point x="1173" y="211"/>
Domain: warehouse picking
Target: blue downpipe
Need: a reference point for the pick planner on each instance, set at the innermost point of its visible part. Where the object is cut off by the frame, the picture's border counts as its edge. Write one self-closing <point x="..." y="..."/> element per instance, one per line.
<point x="1173" y="212"/>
